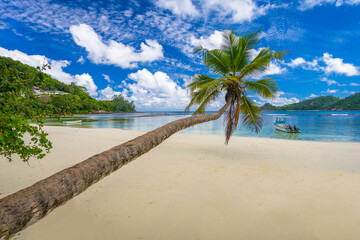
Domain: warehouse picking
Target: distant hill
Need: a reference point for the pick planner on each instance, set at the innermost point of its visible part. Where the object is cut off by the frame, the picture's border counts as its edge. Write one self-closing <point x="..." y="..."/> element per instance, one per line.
<point x="320" y="103"/>
<point x="351" y="102"/>
<point x="64" y="98"/>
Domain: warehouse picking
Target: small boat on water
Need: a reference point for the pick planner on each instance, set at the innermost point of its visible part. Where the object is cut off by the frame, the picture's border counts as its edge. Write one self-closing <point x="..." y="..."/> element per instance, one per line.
<point x="281" y="124"/>
<point x="72" y="122"/>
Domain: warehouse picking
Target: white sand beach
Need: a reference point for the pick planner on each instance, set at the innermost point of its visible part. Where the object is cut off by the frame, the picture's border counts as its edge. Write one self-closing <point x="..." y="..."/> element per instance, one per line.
<point x="195" y="187"/>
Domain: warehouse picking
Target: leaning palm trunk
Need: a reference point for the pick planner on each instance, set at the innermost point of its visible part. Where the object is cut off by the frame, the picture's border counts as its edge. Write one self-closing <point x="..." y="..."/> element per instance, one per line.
<point x="29" y="205"/>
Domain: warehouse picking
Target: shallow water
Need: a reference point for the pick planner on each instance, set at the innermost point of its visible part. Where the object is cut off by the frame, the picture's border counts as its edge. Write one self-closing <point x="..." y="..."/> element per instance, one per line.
<point x="340" y="126"/>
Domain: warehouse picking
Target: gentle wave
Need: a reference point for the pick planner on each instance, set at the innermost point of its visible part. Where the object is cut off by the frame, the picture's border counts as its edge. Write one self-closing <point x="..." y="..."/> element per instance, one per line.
<point x="273" y="114"/>
<point x="339" y="114"/>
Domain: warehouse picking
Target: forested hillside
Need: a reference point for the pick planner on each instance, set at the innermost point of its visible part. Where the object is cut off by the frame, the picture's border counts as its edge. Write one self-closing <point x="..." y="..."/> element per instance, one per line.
<point x="74" y="99"/>
<point x="351" y="102"/>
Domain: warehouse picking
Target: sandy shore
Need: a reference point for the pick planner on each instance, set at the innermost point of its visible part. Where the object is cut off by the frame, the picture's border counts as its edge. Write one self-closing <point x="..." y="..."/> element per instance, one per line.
<point x="194" y="187"/>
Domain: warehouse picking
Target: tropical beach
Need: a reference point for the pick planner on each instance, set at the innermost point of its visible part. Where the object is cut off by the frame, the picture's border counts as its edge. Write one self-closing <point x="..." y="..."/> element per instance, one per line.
<point x="195" y="187"/>
<point x="179" y="119"/>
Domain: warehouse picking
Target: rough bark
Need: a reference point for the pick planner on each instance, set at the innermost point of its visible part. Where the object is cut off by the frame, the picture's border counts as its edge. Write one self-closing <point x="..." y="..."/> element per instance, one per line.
<point x="27" y="206"/>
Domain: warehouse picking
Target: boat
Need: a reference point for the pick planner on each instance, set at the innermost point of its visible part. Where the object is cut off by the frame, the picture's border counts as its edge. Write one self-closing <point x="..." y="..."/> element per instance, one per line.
<point x="282" y="125"/>
<point x="72" y="122"/>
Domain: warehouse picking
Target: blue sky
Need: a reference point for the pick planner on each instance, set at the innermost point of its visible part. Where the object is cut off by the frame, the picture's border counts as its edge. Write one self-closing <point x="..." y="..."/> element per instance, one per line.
<point x="143" y="49"/>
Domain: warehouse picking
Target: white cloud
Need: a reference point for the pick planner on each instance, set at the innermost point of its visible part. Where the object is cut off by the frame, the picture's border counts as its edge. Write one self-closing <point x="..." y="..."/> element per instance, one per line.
<point x="179" y="7"/>
<point x="312" y="96"/>
<point x="56" y="71"/>
<point x="213" y="41"/>
<point x="274" y="69"/>
<point x="301" y="62"/>
<point x="81" y="60"/>
<point x="326" y="63"/>
<point x="279" y="101"/>
<point x="308" y="4"/>
<point x="114" y="53"/>
<point x="106" y="77"/>
<point x="331" y="91"/>
<point x="107" y="93"/>
<point x="238" y="10"/>
<point x="337" y="65"/>
<point x="329" y="81"/>
<point x="155" y="91"/>
<point x="354" y="84"/>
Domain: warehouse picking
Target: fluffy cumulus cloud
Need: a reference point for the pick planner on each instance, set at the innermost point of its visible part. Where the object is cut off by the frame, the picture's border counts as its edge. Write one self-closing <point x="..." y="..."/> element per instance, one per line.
<point x="308" y="4"/>
<point x="213" y="41"/>
<point x="155" y="91"/>
<point x="279" y="100"/>
<point x="328" y="64"/>
<point x="107" y="93"/>
<point x="179" y="7"/>
<point x="301" y="62"/>
<point x="114" y="53"/>
<point x="56" y="71"/>
<point x="337" y="65"/>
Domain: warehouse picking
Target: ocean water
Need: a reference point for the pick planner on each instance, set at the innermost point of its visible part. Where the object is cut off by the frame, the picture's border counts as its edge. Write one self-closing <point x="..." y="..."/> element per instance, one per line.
<point x="340" y="126"/>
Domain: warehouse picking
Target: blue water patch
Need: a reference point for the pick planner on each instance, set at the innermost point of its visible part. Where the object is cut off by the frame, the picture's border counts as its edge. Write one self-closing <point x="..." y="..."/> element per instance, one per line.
<point x="339" y="126"/>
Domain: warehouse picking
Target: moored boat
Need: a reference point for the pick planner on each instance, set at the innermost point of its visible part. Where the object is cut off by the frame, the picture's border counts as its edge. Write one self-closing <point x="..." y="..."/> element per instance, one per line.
<point x="72" y="122"/>
<point x="282" y="125"/>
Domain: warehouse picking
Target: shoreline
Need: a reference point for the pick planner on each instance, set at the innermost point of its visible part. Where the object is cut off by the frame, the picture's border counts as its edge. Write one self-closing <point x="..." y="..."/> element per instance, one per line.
<point x="205" y="134"/>
<point x="195" y="187"/>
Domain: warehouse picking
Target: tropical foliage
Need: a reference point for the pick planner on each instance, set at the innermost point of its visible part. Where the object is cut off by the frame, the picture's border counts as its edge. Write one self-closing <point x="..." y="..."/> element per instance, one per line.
<point x="318" y="103"/>
<point x="238" y="68"/>
<point x="351" y="102"/>
<point x="19" y="107"/>
<point x="76" y="101"/>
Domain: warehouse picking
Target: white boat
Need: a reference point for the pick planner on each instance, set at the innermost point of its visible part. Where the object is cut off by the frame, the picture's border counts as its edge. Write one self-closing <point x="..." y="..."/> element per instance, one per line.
<point x="72" y="122"/>
<point x="282" y="125"/>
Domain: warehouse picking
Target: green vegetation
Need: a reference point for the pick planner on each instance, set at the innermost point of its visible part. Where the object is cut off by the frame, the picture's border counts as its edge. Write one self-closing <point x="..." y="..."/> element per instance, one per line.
<point x="235" y="69"/>
<point x="77" y="100"/>
<point x="320" y="103"/>
<point x="19" y="107"/>
<point x="351" y="102"/>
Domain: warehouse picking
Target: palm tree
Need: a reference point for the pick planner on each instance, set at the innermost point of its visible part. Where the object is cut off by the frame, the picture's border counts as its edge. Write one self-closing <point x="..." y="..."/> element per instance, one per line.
<point x="235" y="70"/>
<point x="231" y="62"/>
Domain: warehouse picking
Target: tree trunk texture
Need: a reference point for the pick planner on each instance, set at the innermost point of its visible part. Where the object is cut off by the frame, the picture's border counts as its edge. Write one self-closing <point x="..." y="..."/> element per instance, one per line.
<point x="27" y="206"/>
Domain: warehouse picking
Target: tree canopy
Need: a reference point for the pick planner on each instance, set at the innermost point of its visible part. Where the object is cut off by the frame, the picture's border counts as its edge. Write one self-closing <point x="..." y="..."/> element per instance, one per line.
<point x="22" y="112"/>
<point x="239" y="68"/>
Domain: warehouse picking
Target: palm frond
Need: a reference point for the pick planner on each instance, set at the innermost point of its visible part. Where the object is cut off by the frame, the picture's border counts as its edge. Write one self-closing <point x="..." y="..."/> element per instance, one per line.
<point x="204" y="89"/>
<point x="242" y="51"/>
<point x="260" y="63"/>
<point x="207" y="100"/>
<point x="266" y="87"/>
<point x="250" y="114"/>
<point x="217" y="61"/>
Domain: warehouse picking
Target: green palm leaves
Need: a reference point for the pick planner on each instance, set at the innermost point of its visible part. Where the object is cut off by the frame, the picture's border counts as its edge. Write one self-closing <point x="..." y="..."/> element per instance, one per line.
<point x="237" y="64"/>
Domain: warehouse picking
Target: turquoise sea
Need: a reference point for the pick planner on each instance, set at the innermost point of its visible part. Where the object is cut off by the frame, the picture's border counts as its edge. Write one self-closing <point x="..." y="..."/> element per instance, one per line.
<point x="340" y="126"/>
